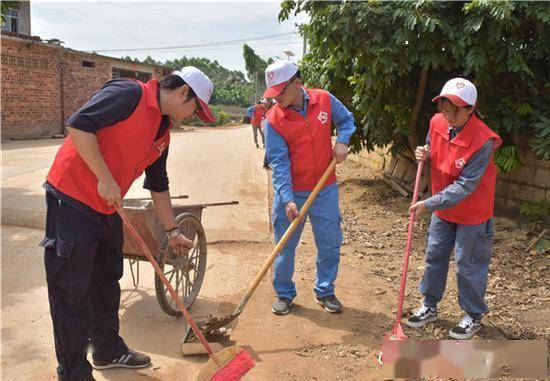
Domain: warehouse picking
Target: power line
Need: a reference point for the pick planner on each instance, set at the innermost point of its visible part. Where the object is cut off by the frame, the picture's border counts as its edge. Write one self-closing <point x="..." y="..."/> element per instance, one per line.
<point x="220" y="43"/>
<point x="232" y="46"/>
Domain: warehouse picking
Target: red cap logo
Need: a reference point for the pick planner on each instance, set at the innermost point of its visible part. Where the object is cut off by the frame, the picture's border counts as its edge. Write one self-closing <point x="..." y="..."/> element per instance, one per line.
<point x="459" y="85"/>
<point x="270" y="75"/>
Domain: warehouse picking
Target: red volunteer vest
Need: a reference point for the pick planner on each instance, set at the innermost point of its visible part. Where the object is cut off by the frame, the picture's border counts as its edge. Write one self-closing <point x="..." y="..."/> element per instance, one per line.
<point x="259" y="112"/>
<point x="309" y="139"/>
<point x="128" y="147"/>
<point x="447" y="160"/>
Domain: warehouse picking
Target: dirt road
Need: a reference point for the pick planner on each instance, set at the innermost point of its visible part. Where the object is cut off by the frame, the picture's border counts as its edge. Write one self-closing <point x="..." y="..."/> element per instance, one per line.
<point x="308" y="344"/>
<point x="209" y="165"/>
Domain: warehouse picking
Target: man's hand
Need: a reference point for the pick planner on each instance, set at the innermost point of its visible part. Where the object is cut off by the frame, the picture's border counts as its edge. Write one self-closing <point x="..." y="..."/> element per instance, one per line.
<point x="291" y="210"/>
<point x="110" y="191"/>
<point x="422" y="153"/>
<point x="417" y="207"/>
<point x="180" y="244"/>
<point x="340" y="152"/>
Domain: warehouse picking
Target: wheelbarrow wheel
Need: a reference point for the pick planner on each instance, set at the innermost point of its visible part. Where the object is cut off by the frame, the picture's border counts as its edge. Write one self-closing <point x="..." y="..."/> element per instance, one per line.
<point x="185" y="272"/>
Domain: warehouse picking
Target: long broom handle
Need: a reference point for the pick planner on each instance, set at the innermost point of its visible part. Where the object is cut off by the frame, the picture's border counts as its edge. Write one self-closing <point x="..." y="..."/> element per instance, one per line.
<point x="282" y="242"/>
<point x="412" y="217"/>
<point x="162" y="277"/>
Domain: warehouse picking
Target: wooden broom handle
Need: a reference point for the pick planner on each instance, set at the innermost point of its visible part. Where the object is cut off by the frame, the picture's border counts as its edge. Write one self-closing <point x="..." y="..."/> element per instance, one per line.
<point x="162" y="277"/>
<point x="289" y="231"/>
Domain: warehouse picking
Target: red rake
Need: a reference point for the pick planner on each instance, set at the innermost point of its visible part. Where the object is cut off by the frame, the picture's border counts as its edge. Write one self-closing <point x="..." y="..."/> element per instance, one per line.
<point x="397" y="332"/>
<point x="230" y="364"/>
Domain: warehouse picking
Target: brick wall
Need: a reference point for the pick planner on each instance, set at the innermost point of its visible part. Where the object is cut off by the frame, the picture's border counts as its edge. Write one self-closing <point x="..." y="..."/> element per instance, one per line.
<point x="79" y="82"/>
<point x="30" y="91"/>
<point x="44" y="84"/>
<point x="529" y="183"/>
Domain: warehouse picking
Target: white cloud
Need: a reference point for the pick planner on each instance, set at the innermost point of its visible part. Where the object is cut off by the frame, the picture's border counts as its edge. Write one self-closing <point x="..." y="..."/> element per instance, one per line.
<point x="117" y="25"/>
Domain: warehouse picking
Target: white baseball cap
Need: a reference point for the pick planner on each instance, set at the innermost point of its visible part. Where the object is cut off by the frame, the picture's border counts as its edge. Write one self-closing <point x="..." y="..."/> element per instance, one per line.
<point x="203" y="88"/>
<point x="277" y="76"/>
<point x="460" y="91"/>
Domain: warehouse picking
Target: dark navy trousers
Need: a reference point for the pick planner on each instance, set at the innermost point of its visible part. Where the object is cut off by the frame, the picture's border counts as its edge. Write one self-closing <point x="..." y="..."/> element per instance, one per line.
<point x="83" y="260"/>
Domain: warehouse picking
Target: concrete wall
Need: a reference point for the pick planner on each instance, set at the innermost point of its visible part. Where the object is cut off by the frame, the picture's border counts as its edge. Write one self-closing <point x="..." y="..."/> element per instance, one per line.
<point x="25" y="18"/>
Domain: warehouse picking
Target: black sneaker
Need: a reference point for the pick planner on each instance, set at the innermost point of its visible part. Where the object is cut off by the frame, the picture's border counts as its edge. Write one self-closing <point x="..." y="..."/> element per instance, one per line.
<point x="421" y="317"/>
<point x="330" y="303"/>
<point x="281" y="306"/>
<point x="129" y="359"/>
<point x="88" y="378"/>
<point x="466" y="328"/>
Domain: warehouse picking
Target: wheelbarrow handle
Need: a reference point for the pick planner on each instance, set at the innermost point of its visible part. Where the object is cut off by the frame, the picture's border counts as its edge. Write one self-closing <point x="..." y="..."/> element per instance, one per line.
<point x="178" y="197"/>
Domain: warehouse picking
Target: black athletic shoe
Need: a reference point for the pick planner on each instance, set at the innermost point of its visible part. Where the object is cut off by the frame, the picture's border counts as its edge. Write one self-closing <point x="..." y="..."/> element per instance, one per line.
<point x="129" y="359"/>
<point x="88" y="378"/>
<point x="421" y="317"/>
<point x="281" y="306"/>
<point x="466" y="328"/>
<point x="330" y="304"/>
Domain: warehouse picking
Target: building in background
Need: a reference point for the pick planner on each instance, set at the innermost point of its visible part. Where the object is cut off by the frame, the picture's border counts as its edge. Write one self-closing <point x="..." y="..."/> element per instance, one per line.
<point x="18" y="20"/>
<point x="44" y="83"/>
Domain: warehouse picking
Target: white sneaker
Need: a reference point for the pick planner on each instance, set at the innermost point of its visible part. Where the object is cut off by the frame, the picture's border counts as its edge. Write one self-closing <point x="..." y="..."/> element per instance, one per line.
<point x="466" y="328"/>
<point x="421" y="317"/>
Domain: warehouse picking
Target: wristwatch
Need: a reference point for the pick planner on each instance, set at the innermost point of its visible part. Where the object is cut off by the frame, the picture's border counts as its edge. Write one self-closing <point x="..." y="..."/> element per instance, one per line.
<point x="172" y="233"/>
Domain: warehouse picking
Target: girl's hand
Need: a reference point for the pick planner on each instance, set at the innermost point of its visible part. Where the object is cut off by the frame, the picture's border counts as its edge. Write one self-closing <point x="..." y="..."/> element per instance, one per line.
<point x="422" y="153"/>
<point x="417" y="207"/>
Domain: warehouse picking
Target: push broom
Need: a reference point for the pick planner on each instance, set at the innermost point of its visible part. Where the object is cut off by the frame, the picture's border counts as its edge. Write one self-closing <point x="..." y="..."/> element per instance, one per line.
<point x="231" y="363"/>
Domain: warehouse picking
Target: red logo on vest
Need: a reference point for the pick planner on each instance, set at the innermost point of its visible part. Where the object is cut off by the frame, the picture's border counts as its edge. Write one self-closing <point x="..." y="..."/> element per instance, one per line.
<point x="323" y="117"/>
<point x="460" y="163"/>
<point x="161" y="147"/>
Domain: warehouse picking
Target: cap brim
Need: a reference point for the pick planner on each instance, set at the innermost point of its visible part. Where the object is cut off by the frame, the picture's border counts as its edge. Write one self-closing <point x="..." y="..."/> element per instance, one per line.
<point x="273" y="91"/>
<point x="453" y="98"/>
<point x="204" y="112"/>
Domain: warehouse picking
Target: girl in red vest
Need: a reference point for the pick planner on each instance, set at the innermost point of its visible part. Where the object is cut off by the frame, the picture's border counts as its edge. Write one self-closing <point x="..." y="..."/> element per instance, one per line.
<point x="460" y="150"/>
<point x="122" y="131"/>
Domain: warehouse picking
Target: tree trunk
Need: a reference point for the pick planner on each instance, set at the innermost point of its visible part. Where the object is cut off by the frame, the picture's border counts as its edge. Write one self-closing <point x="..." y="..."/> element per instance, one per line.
<point x="413" y="133"/>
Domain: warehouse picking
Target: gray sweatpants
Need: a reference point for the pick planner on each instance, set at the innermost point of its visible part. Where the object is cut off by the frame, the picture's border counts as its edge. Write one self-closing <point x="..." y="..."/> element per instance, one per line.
<point x="255" y="129"/>
<point x="473" y="245"/>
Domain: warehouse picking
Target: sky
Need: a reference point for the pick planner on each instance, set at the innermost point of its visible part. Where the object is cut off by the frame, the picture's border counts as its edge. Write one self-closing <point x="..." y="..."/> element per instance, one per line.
<point x="97" y="26"/>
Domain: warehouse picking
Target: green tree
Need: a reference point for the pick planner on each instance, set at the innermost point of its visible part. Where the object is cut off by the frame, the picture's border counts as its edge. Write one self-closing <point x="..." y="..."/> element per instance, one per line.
<point x="150" y="61"/>
<point x="255" y="69"/>
<point x="230" y="86"/>
<point x="386" y="60"/>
